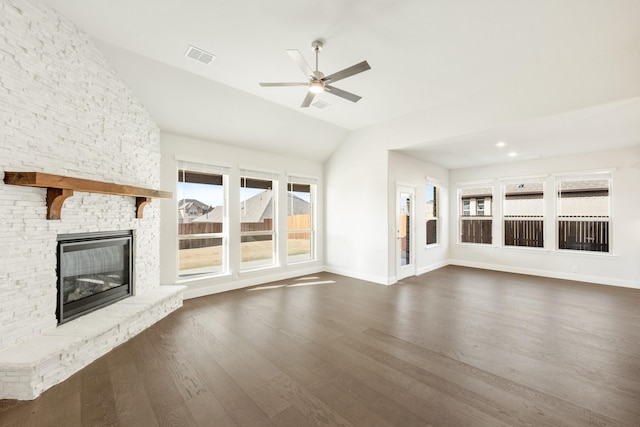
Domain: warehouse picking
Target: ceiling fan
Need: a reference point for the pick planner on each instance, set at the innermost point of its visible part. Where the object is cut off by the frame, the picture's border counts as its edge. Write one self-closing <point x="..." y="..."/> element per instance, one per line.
<point x="318" y="82"/>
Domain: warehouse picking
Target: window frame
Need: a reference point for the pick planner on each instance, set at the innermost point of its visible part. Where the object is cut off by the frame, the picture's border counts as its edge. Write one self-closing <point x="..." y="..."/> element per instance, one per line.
<point x="204" y="170"/>
<point x="436" y="214"/>
<point x="255" y="175"/>
<point x="292" y="181"/>
<point x="601" y="175"/>
<point x="530" y="231"/>
<point x="472" y="199"/>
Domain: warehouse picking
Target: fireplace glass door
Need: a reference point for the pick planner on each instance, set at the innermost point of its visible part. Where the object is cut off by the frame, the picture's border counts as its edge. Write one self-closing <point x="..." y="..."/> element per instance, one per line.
<point x="94" y="270"/>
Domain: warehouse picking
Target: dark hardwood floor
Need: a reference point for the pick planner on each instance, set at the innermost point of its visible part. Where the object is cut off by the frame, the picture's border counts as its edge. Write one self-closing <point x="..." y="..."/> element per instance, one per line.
<point x="456" y="346"/>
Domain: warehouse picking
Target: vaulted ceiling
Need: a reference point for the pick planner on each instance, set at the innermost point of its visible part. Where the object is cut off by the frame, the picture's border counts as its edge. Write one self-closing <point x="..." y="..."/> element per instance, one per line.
<point x="425" y="55"/>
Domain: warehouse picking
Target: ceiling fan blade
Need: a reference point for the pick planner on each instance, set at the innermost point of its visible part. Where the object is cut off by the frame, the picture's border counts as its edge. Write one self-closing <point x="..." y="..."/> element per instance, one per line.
<point x="307" y="100"/>
<point x="299" y="60"/>
<point x="283" y="84"/>
<point x="342" y="93"/>
<point x="347" y="72"/>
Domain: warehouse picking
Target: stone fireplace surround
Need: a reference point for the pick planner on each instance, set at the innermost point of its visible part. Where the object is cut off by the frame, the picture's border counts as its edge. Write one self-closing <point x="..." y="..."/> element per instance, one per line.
<point x="28" y="369"/>
<point x="65" y="111"/>
<point x="35" y="353"/>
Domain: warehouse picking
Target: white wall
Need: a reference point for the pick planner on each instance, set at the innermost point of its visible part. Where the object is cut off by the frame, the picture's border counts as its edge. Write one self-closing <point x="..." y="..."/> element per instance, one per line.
<point x="215" y="153"/>
<point x="622" y="267"/>
<point x="63" y="110"/>
<point x="357" y="223"/>
<point x="409" y="171"/>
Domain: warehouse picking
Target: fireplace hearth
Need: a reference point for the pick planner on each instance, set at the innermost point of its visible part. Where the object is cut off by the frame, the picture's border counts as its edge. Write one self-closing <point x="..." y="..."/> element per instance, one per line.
<point x="94" y="270"/>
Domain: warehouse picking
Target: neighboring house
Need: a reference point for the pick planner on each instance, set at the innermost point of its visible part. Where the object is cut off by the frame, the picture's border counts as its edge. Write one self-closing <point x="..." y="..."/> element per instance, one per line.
<point x="579" y="197"/>
<point x="257" y="209"/>
<point x="527" y="200"/>
<point x="524" y="200"/>
<point x="476" y="202"/>
<point x="582" y="206"/>
<point x="190" y="209"/>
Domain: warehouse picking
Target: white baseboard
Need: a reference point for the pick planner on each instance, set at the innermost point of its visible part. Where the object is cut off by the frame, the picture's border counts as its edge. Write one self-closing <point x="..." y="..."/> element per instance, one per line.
<point x="551" y="274"/>
<point x="214" y="286"/>
<point x="380" y="280"/>
<point x="432" y="267"/>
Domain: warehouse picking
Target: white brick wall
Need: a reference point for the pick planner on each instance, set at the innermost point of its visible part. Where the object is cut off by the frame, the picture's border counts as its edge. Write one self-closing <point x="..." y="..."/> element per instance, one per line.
<point x="29" y="369"/>
<point x="64" y="110"/>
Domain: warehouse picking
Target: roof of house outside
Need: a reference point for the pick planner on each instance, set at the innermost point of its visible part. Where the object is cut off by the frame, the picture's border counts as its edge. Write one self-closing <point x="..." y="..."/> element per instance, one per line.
<point x="184" y="205"/>
<point x="187" y="203"/>
<point x="258" y="208"/>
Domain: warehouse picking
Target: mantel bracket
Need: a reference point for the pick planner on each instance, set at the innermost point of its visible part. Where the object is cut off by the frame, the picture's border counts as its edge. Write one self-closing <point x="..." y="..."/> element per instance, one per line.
<point x="141" y="202"/>
<point x="55" y="200"/>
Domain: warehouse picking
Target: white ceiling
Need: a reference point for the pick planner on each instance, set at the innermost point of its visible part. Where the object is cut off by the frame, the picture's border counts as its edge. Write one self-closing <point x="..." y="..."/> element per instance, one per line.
<point x="423" y="54"/>
<point x="607" y="126"/>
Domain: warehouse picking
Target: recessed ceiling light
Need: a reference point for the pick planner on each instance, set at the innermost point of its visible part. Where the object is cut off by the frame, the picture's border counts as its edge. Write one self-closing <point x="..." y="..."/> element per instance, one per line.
<point x="199" y="55"/>
<point x="512" y="154"/>
<point x="500" y="144"/>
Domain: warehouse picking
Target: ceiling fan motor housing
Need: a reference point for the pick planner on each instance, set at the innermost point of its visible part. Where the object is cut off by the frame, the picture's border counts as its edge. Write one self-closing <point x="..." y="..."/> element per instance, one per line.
<point x="317" y="45"/>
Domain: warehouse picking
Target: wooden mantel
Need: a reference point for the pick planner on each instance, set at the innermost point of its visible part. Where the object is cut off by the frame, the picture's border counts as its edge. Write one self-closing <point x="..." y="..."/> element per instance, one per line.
<point x="59" y="188"/>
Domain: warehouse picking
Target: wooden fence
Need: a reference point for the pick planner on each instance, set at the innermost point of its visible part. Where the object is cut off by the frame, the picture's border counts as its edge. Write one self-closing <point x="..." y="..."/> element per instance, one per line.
<point x="583" y="235"/>
<point x="475" y="231"/>
<point x="432" y="231"/>
<point x="299" y="222"/>
<point x="200" y="228"/>
<point x="577" y="235"/>
<point x="294" y="222"/>
<point x="524" y="232"/>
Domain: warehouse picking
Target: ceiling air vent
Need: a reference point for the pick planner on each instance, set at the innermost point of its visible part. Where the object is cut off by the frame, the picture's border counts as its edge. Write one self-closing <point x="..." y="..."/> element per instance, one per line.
<point x="320" y="104"/>
<point x="199" y="55"/>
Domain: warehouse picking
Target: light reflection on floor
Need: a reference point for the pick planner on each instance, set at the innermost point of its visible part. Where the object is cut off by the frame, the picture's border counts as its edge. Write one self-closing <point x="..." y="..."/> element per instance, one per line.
<point x="294" y="285"/>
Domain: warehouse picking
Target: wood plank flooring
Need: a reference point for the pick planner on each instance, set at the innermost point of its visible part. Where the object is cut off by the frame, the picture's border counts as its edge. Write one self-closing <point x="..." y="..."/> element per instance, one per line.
<point x="453" y="347"/>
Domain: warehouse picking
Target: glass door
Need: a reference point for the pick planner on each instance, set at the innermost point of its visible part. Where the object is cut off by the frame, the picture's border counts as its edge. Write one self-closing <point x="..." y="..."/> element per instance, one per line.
<point x="405" y="265"/>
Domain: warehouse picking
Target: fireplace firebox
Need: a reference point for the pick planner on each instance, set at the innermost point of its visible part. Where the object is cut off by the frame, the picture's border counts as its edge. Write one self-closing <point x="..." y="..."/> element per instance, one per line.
<point x="94" y="270"/>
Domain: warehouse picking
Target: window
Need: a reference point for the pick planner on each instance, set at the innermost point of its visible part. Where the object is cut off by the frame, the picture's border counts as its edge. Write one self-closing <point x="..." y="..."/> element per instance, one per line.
<point x="202" y="220"/>
<point x="257" y="220"/>
<point x="583" y="211"/>
<point x="431" y="215"/>
<point x="466" y="207"/>
<point x="476" y="221"/>
<point x="300" y="230"/>
<point x="523" y="208"/>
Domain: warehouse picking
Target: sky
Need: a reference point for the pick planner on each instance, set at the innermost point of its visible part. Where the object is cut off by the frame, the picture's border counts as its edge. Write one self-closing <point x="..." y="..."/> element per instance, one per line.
<point x="429" y="190"/>
<point x="212" y="195"/>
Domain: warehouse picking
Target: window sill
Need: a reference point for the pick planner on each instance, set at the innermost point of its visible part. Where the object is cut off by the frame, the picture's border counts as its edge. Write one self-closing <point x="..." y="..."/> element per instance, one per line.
<point x="306" y="261"/>
<point x="258" y="269"/>
<point x="187" y="280"/>
<point x="432" y="245"/>
<point x="477" y="245"/>
<point x="523" y="248"/>
<point x="585" y="253"/>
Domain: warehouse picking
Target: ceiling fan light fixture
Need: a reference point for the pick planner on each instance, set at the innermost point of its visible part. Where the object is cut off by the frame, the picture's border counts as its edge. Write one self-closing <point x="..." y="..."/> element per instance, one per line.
<point x="316" y="86"/>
